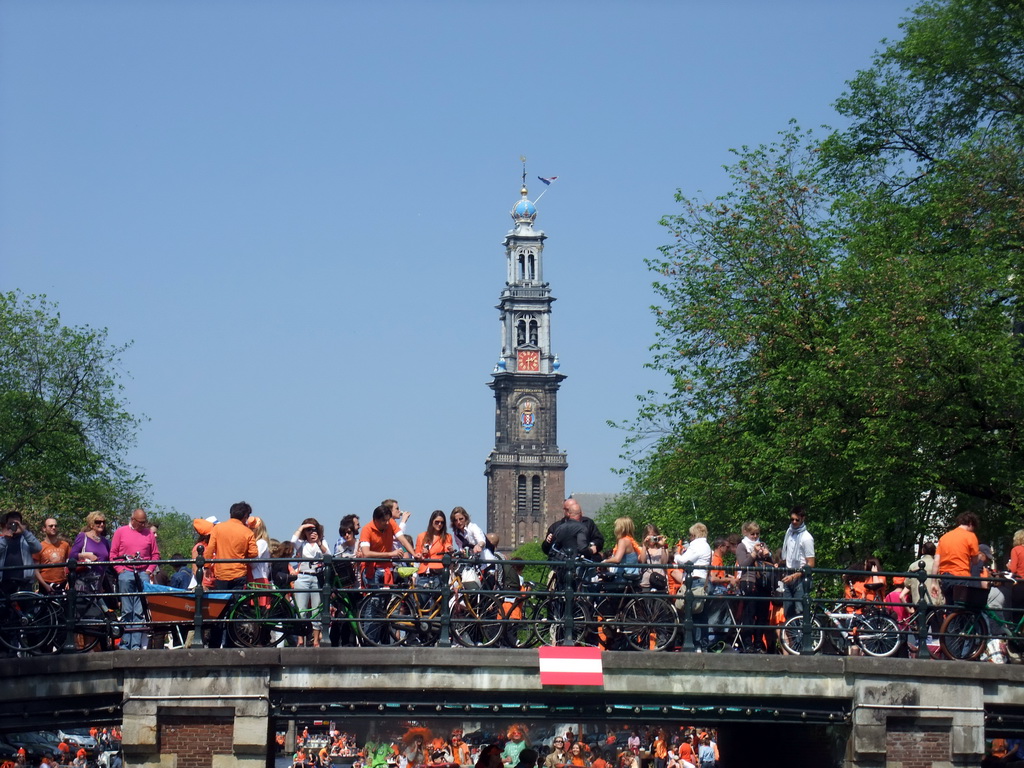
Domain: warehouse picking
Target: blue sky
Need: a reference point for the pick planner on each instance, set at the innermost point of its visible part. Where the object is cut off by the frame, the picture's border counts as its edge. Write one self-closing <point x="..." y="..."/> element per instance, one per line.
<point x="295" y="210"/>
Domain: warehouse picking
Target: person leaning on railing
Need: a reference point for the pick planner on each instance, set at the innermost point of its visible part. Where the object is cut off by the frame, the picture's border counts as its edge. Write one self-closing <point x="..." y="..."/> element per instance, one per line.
<point x="89" y="547"/>
<point x="956" y="554"/>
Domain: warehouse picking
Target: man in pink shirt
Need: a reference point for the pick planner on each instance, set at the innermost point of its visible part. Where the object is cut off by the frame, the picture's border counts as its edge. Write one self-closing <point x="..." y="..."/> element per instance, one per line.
<point x="136" y="541"/>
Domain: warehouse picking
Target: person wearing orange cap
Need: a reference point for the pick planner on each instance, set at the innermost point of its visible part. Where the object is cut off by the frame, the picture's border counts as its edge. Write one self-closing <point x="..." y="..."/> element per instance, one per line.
<point x="203" y="529"/>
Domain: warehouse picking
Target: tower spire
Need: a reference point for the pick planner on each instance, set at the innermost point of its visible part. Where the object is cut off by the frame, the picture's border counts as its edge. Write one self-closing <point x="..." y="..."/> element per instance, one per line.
<point x="526" y="470"/>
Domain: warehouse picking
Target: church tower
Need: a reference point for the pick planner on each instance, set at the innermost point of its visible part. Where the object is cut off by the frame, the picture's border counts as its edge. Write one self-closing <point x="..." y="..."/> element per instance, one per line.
<point x="525" y="471"/>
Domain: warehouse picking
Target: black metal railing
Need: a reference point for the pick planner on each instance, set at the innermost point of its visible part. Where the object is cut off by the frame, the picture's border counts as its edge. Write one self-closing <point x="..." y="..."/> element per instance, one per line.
<point x="484" y="603"/>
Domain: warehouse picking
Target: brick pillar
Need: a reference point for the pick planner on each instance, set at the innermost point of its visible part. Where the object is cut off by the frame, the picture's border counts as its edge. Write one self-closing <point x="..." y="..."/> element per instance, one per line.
<point x="207" y="717"/>
<point x="913" y="744"/>
<point x="927" y="725"/>
<point x="194" y="739"/>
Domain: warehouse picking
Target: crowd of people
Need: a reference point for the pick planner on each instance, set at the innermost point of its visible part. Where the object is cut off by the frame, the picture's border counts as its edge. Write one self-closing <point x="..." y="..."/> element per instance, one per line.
<point x="735" y="579"/>
<point x="419" y="747"/>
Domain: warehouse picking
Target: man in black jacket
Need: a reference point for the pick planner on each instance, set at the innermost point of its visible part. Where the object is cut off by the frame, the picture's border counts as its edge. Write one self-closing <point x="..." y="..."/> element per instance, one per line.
<point x="574" y="533"/>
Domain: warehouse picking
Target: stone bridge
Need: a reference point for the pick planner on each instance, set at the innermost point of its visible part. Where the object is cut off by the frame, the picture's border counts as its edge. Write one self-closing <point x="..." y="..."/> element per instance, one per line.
<point x="814" y="711"/>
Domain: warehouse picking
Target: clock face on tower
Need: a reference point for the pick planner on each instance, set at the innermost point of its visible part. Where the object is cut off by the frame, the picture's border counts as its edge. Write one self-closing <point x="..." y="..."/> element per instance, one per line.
<point x="528" y="360"/>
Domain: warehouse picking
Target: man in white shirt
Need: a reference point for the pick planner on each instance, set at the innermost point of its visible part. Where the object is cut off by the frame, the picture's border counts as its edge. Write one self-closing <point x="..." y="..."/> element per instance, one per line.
<point x="797" y="551"/>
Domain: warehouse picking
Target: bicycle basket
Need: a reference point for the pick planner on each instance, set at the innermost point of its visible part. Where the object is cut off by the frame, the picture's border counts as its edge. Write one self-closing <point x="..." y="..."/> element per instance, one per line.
<point x="974" y="598"/>
<point x="344" y="572"/>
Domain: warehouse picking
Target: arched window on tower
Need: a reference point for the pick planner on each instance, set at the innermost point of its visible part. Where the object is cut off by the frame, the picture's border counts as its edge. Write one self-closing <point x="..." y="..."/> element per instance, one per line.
<point x="532" y="265"/>
<point x="533" y="333"/>
<point x="522" y="504"/>
<point x="521" y="332"/>
<point x="521" y="263"/>
<point x="535" y="496"/>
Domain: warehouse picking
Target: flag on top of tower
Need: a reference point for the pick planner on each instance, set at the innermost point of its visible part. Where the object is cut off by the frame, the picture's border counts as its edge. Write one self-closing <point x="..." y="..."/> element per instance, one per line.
<point x="547" y="181"/>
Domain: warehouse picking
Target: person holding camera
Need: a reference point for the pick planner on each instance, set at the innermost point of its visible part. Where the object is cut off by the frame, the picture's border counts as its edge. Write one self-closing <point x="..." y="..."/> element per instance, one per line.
<point x="17" y="545"/>
<point x="753" y="563"/>
<point x="655" y="551"/>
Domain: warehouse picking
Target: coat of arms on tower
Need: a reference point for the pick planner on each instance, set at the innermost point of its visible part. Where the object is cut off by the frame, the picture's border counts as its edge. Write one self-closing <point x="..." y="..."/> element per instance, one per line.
<point x="526" y="416"/>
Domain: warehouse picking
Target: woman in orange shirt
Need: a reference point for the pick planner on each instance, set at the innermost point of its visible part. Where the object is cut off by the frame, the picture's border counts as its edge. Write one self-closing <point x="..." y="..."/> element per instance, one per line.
<point x="432" y="544"/>
<point x="577" y="758"/>
<point x="1016" y="567"/>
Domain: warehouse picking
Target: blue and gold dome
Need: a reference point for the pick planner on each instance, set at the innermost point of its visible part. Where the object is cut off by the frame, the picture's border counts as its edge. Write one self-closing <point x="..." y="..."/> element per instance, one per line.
<point x="524" y="211"/>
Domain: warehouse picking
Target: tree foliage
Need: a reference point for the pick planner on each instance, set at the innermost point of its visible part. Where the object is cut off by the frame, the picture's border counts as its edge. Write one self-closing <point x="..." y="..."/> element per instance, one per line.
<point x="64" y="426"/>
<point x="841" y="329"/>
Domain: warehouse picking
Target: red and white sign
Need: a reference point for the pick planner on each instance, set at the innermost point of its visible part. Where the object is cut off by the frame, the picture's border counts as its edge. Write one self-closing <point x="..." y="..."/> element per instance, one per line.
<point x="561" y="665"/>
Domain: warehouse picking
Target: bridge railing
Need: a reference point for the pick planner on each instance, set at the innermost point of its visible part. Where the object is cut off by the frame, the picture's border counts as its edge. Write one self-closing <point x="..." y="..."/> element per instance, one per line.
<point x="483" y="603"/>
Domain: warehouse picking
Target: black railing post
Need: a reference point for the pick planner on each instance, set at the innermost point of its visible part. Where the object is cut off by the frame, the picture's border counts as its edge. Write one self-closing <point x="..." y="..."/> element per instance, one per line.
<point x="445" y="639"/>
<point x="70" y="605"/>
<point x="325" y="597"/>
<point x="570" y="602"/>
<point x="197" y="626"/>
<point x="806" y="643"/>
<point x="923" y="611"/>
<point x="688" y="644"/>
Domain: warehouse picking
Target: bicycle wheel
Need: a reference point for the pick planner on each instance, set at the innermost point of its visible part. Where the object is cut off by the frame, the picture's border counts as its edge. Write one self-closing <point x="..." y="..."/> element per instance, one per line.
<point x="878" y="635"/>
<point x="650" y="624"/>
<point x="932" y="621"/>
<point x="550" y="620"/>
<point x="793" y="640"/>
<point x="477" y="620"/>
<point x="386" y="620"/>
<point x="518" y="624"/>
<point x="30" y="623"/>
<point x="963" y="635"/>
<point x="92" y="624"/>
<point x="253" y="625"/>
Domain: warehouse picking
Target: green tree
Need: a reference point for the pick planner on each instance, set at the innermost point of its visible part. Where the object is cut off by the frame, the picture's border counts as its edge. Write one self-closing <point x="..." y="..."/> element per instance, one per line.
<point x="841" y="329"/>
<point x="64" y="426"/>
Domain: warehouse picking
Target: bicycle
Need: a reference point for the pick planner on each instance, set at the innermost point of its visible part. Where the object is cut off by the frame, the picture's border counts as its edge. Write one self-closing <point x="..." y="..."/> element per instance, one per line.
<point x="263" y="617"/>
<point x="516" y="613"/>
<point x="874" y="632"/>
<point x="624" y="615"/>
<point x="732" y="639"/>
<point x="93" y="622"/>
<point x="552" y="614"/>
<point x="412" y="616"/>
<point x="968" y="625"/>
<point x="28" y="623"/>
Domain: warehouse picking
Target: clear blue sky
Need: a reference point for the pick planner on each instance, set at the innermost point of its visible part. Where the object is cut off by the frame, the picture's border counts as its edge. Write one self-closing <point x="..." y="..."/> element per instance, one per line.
<point x="295" y="211"/>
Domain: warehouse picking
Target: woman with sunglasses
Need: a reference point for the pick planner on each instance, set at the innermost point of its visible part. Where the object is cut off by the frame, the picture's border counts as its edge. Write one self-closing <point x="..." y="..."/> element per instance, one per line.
<point x="432" y="544"/>
<point x="308" y="542"/>
<point x="91" y="546"/>
<point x="466" y="534"/>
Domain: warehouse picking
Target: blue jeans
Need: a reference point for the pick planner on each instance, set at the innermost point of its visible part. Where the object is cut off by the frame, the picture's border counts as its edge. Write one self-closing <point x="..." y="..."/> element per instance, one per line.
<point x="132" y="612"/>
<point x="793" y="598"/>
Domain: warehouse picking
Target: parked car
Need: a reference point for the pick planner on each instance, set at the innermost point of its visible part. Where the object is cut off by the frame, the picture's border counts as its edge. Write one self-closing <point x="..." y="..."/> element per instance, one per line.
<point x="79" y="738"/>
<point x="35" y="743"/>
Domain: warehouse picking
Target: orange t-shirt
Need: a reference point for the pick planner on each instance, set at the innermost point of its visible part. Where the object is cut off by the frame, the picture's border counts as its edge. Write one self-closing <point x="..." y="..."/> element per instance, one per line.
<point x="231" y="540"/>
<point x="955" y="551"/>
<point x="379" y="542"/>
<point x="1016" y="566"/>
<point x="435" y="551"/>
<point x="53" y="553"/>
<point x="716" y="566"/>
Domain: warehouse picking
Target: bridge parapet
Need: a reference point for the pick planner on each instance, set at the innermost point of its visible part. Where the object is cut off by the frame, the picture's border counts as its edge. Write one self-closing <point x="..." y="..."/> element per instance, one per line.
<point x="884" y="704"/>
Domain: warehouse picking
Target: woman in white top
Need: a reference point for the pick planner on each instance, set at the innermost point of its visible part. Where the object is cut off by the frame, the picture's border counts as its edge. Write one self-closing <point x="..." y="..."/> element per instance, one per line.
<point x="698" y="552"/>
<point x="261" y="565"/>
<point x="466" y="534"/>
<point x="309" y="549"/>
